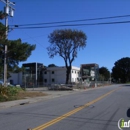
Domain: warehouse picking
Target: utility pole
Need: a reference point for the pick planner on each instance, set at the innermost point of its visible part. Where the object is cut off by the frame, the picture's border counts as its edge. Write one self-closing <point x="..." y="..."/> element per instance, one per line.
<point x="5" y="52"/>
<point x="9" y="11"/>
<point x="110" y="77"/>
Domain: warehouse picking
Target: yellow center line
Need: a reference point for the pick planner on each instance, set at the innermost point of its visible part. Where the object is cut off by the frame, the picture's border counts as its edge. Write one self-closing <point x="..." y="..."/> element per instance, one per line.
<point x="41" y="127"/>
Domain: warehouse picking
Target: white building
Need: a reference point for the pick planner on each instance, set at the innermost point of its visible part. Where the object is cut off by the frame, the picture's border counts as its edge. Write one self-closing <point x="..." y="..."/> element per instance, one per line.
<point x="16" y="78"/>
<point x="57" y="75"/>
<point x="52" y="75"/>
<point x="36" y="75"/>
<point x="75" y="74"/>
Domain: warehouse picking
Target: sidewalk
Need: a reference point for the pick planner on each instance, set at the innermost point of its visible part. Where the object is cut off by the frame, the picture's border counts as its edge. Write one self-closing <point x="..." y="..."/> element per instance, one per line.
<point x="50" y="95"/>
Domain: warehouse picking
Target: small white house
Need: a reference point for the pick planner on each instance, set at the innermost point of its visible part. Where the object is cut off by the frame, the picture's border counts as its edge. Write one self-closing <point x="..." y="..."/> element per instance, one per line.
<point x="57" y="75"/>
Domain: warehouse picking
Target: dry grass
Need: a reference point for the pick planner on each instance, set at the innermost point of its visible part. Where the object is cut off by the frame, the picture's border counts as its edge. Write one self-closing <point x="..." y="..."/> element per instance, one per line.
<point x="26" y="94"/>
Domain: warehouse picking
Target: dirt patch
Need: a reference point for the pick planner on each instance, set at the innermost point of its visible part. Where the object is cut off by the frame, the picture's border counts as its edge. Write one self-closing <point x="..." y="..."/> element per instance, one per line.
<point x="25" y="94"/>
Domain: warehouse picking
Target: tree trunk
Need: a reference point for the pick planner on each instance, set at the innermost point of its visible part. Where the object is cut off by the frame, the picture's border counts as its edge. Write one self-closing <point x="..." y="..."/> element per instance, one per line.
<point x="68" y="74"/>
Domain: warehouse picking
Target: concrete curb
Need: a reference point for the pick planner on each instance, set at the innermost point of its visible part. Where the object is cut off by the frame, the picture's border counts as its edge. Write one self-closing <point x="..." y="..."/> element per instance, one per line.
<point x="51" y="95"/>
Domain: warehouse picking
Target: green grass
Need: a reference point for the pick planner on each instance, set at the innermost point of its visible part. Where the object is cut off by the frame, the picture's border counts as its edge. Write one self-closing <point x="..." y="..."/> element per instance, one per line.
<point x="9" y="93"/>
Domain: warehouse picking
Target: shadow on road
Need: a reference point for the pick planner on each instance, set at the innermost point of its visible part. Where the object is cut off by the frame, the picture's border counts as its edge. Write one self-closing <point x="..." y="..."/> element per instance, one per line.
<point x="127" y="85"/>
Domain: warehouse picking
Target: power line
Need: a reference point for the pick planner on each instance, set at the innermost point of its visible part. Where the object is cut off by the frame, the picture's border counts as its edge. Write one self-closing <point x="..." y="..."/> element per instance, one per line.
<point x="120" y="22"/>
<point x="35" y="40"/>
<point x="81" y="20"/>
<point x="35" y="36"/>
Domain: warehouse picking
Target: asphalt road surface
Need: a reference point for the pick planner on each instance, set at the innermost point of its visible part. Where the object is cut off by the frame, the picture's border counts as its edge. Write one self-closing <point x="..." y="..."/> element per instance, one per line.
<point x="96" y="109"/>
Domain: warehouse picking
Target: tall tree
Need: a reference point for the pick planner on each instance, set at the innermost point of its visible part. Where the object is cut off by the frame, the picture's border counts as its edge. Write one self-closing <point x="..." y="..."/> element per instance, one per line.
<point x="65" y="43"/>
<point x="2" y="15"/>
<point x="2" y="31"/>
<point x="104" y="73"/>
<point x="2" y="27"/>
<point x="121" y="70"/>
<point x="17" y="51"/>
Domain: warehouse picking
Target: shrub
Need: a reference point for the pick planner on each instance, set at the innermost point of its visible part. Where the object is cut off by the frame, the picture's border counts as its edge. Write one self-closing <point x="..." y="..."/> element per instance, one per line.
<point x="8" y="93"/>
<point x="4" y="91"/>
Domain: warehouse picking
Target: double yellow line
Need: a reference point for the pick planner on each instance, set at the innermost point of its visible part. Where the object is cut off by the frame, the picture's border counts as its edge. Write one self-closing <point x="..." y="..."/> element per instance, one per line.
<point x="42" y="127"/>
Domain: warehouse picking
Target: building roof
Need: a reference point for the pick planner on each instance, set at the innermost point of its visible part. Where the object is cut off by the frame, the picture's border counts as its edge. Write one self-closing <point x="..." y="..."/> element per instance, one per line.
<point x="61" y="67"/>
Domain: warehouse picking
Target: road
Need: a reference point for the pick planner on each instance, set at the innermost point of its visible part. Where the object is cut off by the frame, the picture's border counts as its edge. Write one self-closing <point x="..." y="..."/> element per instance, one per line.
<point x="96" y="109"/>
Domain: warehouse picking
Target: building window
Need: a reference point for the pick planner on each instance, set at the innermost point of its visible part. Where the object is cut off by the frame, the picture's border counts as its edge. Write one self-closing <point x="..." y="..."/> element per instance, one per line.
<point x="45" y="72"/>
<point x="75" y="72"/>
<point x="53" y="80"/>
<point x="52" y="72"/>
<point x="72" y="71"/>
<point x="45" y="80"/>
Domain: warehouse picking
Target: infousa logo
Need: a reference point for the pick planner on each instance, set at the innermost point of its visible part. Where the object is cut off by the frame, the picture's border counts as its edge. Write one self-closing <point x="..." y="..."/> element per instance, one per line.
<point x="123" y="124"/>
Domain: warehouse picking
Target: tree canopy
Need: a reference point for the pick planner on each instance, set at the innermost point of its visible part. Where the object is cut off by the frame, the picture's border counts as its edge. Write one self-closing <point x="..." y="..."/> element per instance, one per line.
<point x="66" y="43"/>
<point x="17" y="50"/>
<point x="52" y="65"/>
<point x="2" y="31"/>
<point x="121" y="70"/>
<point x="2" y="27"/>
<point x="2" y="15"/>
<point x="104" y="74"/>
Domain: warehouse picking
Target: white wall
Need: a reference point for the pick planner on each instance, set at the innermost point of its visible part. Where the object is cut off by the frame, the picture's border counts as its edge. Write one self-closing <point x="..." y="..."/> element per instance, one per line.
<point x="16" y="77"/>
<point x="75" y="72"/>
<point x="59" y="75"/>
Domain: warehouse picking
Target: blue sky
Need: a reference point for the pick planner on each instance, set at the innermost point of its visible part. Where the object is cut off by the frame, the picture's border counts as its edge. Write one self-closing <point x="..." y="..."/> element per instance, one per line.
<point x="105" y="43"/>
